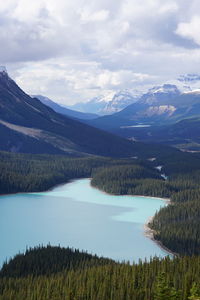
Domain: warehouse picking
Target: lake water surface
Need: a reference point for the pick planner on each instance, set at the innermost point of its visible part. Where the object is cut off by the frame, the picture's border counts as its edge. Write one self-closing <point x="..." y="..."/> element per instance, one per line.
<point x="79" y="216"/>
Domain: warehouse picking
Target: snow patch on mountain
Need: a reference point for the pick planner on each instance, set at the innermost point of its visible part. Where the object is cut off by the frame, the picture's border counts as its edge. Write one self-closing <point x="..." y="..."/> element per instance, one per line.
<point x="165" y="88"/>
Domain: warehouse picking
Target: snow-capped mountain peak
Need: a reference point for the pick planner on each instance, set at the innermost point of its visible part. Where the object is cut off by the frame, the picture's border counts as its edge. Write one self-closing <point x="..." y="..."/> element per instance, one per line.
<point x="158" y="94"/>
<point x="165" y="88"/>
<point x="119" y="101"/>
<point x="122" y="95"/>
<point x="109" y="103"/>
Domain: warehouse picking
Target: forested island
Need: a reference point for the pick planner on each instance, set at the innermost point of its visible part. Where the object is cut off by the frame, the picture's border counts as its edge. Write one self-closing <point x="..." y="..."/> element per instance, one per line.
<point x="176" y="226"/>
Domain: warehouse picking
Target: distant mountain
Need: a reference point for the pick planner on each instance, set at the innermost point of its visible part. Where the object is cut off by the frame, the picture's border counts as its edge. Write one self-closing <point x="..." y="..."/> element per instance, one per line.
<point x="95" y="105"/>
<point x="27" y="125"/>
<point x="64" y="110"/>
<point x="104" y="105"/>
<point x="119" y="101"/>
<point x="161" y="105"/>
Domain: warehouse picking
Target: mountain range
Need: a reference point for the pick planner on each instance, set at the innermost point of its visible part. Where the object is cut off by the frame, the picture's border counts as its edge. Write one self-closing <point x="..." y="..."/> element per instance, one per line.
<point x="29" y="126"/>
<point x="163" y="115"/>
<point x="161" y="105"/>
<point x="106" y="105"/>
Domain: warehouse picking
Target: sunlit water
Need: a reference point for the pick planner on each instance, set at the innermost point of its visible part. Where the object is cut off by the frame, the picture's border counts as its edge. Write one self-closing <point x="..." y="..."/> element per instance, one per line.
<point x="79" y="216"/>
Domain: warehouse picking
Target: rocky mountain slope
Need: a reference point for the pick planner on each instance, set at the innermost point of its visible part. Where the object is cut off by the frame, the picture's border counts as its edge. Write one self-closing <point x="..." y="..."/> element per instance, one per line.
<point x="64" y="110"/>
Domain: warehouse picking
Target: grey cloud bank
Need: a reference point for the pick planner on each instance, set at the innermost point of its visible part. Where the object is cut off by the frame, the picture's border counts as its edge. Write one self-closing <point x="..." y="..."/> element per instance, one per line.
<point x="74" y="50"/>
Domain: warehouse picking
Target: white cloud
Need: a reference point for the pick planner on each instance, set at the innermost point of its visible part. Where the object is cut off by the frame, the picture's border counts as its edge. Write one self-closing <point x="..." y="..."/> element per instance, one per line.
<point x="70" y="82"/>
<point x="75" y="49"/>
<point x="26" y="11"/>
<point x="169" y="7"/>
<point x="190" y="29"/>
<point x="97" y="16"/>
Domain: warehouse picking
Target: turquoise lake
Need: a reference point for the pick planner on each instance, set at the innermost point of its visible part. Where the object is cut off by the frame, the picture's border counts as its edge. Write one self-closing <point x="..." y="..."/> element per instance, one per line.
<point x="80" y="216"/>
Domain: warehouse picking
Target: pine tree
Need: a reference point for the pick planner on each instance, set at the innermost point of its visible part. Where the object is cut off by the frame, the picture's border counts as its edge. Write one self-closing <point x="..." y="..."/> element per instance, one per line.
<point x="162" y="290"/>
<point x="194" y="292"/>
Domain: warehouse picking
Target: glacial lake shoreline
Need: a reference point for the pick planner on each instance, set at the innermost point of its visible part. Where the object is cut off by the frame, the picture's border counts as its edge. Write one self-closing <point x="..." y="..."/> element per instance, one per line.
<point x="79" y="215"/>
<point x="148" y="232"/>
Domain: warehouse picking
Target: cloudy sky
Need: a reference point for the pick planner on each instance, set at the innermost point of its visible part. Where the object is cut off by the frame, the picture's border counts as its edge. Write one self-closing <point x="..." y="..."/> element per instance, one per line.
<point x="73" y="50"/>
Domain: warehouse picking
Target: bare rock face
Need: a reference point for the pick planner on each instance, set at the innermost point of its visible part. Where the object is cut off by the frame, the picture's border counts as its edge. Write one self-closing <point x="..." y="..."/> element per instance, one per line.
<point x="160" y="110"/>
